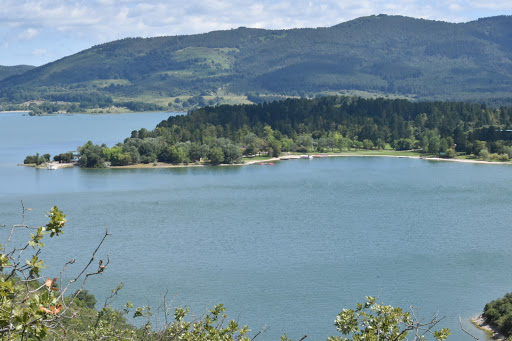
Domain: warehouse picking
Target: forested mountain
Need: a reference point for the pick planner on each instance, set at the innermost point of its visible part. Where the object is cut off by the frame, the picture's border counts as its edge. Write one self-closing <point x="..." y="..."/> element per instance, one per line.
<point x="7" y="71"/>
<point x="386" y="55"/>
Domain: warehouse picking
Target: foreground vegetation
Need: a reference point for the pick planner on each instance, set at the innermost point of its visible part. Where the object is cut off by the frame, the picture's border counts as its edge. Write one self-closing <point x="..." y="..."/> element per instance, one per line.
<point x="224" y="134"/>
<point x="33" y="307"/>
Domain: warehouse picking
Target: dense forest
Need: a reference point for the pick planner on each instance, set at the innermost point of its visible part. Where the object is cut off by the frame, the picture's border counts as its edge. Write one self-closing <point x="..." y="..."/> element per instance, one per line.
<point x="223" y="134"/>
<point x="8" y="71"/>
<point x="376" y="55"/>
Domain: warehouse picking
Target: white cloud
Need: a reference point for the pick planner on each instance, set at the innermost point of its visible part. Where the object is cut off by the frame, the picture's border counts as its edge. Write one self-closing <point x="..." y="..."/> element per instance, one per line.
<point x="39" y="52"/>
<point x="27" y="34"/>
<point x="111" y="19"/>
<point x="492" y="5"/>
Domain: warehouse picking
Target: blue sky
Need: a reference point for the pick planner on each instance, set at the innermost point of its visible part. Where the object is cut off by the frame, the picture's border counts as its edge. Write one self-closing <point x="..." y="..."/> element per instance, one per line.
<point x="36" y="32"/>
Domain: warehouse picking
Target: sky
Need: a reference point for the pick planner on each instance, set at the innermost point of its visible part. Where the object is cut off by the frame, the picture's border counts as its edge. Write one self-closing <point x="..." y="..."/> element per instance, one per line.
<point x="36" y="32"/>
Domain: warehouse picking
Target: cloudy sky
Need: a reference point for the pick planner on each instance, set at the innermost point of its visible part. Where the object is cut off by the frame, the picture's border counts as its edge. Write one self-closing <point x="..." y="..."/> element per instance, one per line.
<point x="36" y="32"/>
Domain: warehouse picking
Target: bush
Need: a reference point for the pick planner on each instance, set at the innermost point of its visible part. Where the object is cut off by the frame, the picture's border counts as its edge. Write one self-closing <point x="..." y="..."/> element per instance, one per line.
<point x="30" y="159"/>
<point x="373" y="321"/>
<point x="31" y="308"/>
<point x="64" y="157"/>
<point x="493" y="156"/>
<point x="450" y="153"/>
<point x="484" y="154"/>
<point x="84" y="299"/>
<point x="503" y="157"/>
<point x="36" y="159"/>
<point x="508" y="150"/>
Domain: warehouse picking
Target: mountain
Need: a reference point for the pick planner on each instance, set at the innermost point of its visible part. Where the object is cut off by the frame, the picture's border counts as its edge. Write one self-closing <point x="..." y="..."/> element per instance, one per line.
<point x="382" y="55"/>
<point x="7" y="71"/>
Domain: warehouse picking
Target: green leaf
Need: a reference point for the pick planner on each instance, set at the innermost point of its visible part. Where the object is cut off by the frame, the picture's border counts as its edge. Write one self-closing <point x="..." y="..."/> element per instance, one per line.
<point x="57" y="221"/>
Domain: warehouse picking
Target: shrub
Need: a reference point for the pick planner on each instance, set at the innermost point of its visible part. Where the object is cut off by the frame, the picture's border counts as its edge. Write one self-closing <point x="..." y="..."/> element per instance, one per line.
<point x="484" y="154"/>
<point x="503" y="157"/>
<point x="30" y="305"/>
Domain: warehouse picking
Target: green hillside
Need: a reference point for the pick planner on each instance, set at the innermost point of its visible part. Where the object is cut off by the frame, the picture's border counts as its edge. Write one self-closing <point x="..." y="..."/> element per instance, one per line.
<point x="376" y="55"/>
<point x="7" y="71"/>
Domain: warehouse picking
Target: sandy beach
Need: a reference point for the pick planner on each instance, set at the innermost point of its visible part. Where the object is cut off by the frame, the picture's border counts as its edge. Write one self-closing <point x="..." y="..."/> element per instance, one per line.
<point x="7" y="112"/>
<point x="49" y="165"/>
<point x="469" y="161"/>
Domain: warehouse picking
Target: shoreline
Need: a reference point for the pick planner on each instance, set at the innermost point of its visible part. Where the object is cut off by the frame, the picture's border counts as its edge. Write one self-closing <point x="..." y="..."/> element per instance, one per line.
<point x="48" y="165"/>
<point x="55" y="165"/>
<point x="291" y="157"/>
<point x="480" y="322"/>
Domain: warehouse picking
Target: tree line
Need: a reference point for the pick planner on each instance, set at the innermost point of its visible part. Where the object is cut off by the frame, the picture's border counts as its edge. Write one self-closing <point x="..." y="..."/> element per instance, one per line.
<point x="225" y="133"/>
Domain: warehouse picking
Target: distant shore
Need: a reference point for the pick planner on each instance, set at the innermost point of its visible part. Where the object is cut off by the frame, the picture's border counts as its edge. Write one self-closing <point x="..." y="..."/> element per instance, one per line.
<point x="493" y="331"/>
<point x="56" y="165"/>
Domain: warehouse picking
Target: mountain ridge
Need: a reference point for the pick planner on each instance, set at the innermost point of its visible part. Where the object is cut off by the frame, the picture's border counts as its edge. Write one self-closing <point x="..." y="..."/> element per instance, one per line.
<point x="8" y="71"/>
<point x="381" y="54"/>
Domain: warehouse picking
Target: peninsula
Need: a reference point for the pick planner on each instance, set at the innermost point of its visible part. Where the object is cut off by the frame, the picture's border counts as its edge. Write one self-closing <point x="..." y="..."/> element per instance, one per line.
<point x="336" y="125"/>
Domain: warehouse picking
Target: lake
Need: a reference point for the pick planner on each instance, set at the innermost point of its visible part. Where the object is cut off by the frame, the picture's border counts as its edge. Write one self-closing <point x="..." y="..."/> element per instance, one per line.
<point x="285" y="246"/>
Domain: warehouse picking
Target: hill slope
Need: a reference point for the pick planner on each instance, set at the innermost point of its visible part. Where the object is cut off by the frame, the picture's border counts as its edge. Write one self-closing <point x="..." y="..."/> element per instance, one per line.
<point x="381" y="54"/>
<point x="7" y="71"/>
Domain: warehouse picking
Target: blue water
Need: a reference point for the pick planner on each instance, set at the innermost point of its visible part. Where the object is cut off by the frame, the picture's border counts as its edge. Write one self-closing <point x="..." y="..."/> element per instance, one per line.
<point x="285" y="246"/>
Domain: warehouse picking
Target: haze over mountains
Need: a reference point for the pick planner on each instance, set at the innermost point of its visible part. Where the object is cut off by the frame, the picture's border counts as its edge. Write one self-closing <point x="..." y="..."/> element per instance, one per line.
<point x="383" y="55"/>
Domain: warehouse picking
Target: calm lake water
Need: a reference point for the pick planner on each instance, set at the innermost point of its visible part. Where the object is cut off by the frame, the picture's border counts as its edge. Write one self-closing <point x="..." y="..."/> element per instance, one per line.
<point x="285" y="246"/>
